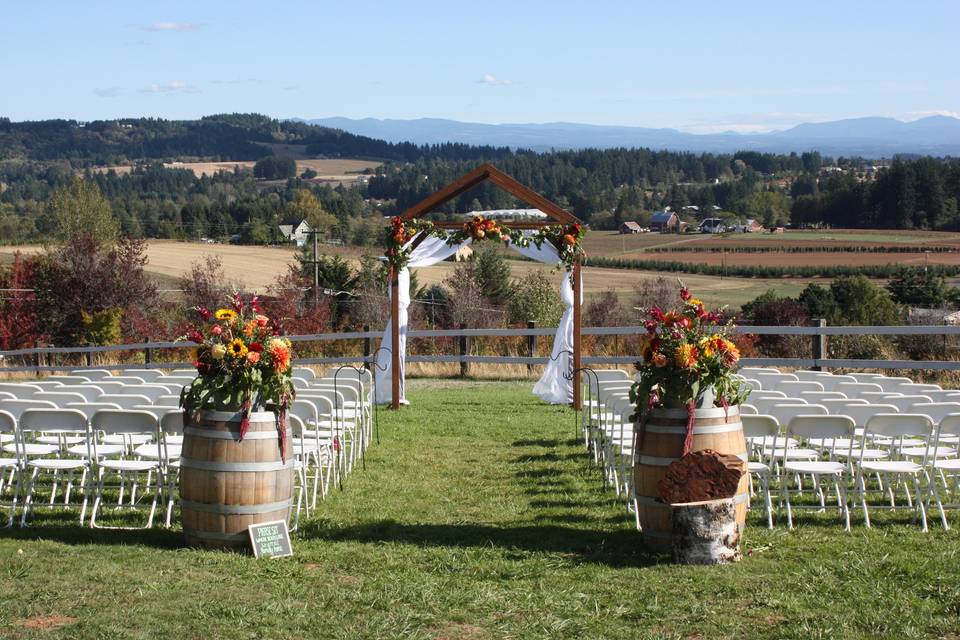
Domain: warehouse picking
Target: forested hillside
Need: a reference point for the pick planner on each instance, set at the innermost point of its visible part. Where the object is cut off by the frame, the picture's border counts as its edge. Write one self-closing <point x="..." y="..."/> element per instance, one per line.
<point x="603" y="187"/>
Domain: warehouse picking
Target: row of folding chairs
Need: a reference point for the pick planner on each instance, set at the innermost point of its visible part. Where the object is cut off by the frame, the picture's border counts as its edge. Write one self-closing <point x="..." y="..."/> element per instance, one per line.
<point x="891" y="450"/>
<point x="331" y="423"/>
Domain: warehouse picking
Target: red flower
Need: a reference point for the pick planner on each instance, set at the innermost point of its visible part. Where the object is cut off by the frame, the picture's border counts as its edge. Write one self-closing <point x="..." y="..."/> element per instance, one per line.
<point x="701" y="312"/>
<point x="237" y="302"/>
<point x="205" y="313"/>
<point x="650" y="326"/>
<point x="255" y="304"/>
<point x="685" y="322"/>
<point x="685" y="294"/>
<point x="216" y="330"/>
<point x="657" y="314"/>
<point x="255" y="346"/>
<point x="195" y="336"/>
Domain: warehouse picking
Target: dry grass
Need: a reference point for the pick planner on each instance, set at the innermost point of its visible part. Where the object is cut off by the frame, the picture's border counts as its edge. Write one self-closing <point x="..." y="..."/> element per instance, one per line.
<point x="329" y="170"/>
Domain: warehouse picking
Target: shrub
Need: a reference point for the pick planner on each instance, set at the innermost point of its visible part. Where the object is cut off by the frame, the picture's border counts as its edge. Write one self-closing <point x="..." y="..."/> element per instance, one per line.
<point x="536" y="298"/>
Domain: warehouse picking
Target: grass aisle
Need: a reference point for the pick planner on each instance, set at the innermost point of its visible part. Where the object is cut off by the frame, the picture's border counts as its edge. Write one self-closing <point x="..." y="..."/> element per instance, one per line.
<point x="479" y="516"/>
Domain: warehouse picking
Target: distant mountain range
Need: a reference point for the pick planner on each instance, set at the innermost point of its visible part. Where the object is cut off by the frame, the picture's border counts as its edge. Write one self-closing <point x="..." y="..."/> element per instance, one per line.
<point x="869" y="137"/>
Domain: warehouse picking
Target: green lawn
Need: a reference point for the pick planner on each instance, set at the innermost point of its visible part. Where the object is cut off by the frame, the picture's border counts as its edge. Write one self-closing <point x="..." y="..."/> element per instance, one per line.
<point x="479" y="516"/>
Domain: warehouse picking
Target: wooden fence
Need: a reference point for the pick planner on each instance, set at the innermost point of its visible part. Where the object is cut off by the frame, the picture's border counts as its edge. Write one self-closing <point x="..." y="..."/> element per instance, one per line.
<point x="54" y="359"/>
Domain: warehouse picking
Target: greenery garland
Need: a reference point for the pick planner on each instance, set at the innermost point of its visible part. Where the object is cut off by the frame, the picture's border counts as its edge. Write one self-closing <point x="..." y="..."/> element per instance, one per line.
<point x="565" y="238"/>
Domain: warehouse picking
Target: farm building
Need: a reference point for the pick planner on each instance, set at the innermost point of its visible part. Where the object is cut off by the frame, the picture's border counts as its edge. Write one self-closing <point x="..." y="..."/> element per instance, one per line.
<point x="752" y="226"/>
<point x="296" y="233"/>
<point x="666" y="222"/>
<point x="631" y="227"/>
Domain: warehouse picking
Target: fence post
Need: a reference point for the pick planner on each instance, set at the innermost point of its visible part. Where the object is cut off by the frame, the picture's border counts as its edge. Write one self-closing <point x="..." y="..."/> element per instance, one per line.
<point x="36" y="356"/>
<point x="89" y="356"/>
<point x="819" y="345"/>
<point x="464" y="350"/>
<point x="367" y="345"/>
<point x="531" y="344"/>
<point x="147" y="353"/>
<point x="50" y="356"/>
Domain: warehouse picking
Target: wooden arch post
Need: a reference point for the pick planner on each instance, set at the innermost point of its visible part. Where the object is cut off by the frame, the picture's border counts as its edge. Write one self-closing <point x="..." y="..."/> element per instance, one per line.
<point x="459" y="186"/>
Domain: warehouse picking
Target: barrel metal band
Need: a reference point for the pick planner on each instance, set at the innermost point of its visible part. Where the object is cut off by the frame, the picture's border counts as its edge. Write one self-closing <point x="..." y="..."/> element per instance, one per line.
<point x="238" y="509"/>
<point x="653" y="461"/>
<point x="216" y="434"/>
<point x="237" y="416"/>
<point x="206" y="465"/>
<point x="650" y="501"/>
<point x="697" y="430"/>
<point x="216" y="535"/>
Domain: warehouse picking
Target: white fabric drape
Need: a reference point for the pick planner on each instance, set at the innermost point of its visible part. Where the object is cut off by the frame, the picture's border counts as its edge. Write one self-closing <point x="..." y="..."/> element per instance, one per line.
<point x="552" y="387"/>
<point x="429" y="252"/>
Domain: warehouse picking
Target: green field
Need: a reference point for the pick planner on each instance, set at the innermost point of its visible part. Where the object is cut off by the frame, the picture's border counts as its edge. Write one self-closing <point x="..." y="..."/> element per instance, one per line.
<point x="480" y="516"/>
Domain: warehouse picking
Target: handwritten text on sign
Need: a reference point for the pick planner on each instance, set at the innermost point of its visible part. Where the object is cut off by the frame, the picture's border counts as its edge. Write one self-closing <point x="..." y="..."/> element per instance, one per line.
<point x="270" y="539"/>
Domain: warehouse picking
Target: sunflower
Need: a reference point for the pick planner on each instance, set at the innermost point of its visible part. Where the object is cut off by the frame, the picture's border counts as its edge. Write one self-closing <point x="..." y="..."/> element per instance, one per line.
<point x="237" y="349"/>
<point x="225" y="314"/>
<point x="686" y="356"/>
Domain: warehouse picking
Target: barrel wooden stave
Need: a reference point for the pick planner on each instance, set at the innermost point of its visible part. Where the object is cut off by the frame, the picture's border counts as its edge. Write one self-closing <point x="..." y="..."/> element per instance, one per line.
<point x="663" y="443"/>
<point x="217" y="505"/>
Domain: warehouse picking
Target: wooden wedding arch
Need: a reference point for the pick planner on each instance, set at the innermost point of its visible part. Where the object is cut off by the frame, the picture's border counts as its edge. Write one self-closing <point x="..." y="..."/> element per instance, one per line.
<point x="554" y="212"/>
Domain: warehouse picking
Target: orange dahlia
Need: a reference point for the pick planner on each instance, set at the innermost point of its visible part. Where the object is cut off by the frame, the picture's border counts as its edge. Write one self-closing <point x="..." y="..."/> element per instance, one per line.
<point x="686" y="356"/>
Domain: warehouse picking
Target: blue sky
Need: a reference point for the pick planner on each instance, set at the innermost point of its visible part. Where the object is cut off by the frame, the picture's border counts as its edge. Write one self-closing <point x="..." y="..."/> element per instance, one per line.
<point x="697" y="66"/>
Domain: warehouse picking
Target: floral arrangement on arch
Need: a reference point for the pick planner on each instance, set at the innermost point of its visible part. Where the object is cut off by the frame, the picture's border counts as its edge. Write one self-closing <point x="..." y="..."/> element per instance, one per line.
<point x="687" y="360"/>
<point x="243" y="362"/>
<point x="566" y="238"/>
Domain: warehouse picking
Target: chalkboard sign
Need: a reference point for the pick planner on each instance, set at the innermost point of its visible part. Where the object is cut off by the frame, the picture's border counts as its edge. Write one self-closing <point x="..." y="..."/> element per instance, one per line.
<point x="270" y="539"/>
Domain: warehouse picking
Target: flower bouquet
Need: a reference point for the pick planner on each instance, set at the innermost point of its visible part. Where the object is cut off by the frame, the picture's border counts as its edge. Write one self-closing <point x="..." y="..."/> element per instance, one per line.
<point x="687" y="361"/>
<point x="243" y="363"/>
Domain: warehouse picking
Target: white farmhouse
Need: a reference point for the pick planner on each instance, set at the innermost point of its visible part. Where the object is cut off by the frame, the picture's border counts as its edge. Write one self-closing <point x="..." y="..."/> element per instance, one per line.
<point x="296" y="233"/>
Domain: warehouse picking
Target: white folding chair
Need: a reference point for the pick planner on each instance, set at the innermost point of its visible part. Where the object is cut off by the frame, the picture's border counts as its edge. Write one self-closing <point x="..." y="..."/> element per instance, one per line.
<point x="820" y="427"/>
<point x="11" y="463"/>
<point x="72" y="380"/>
<point x="121" y="422"/>
<point x="917" y="389"/>
<point x="90" y="391"/>
<point x="66" y="421"/>
<point x="837" y="407"/>
<point x="20" y="391"/>
<point x="91" y="374"/>
<point x="171" y="448"/>
<point x="762" y="432"/>
<point x="147" y="375"/>
<point x="856" y="389"/>
<point x="765" y="405"/>
<point x="61" y="399"/>
<point x="765" y="394"/>
<point x="814" y="397"/>
<point x="305" y="373"/>
<point x="125" y="400"/>
<point x="896" y="426"/>
<point x="793" y="388"/>
<point x="903" y="403"/>
<point x="830" y="384"/>
<point x="127" y="379"/>
<point x="866" y="377"/>
<point x="892" y="384"/>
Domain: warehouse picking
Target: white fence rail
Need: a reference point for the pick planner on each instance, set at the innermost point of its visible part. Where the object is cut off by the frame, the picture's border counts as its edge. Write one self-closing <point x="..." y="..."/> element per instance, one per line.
<point x="44" y="358"/>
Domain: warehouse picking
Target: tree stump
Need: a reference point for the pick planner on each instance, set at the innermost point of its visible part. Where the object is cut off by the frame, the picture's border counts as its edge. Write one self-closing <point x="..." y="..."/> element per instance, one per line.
<point x="701" y="475"/>
<point x="700" y="489"/>
<point x="706" y="532"/>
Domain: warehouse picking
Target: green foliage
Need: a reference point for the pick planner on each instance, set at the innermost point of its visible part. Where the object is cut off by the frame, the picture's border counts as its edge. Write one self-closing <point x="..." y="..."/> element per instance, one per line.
<point x="493" y="273"/>
<point x="80" y="210"/>
<point x="860" y="302"/>
<point x="275" y="168"/>
<point x="535" y="298"/>
<point x="818" y="301"/>
<point x="306" y="206"/>
<point x="771" y="208"/>
<point x="914" y="286"/>
<point x="102" y="327"/>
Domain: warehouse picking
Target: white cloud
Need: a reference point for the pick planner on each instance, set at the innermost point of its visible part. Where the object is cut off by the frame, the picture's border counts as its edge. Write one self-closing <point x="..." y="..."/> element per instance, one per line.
<point x="291" y="87"/>
<point x="174" y="86"/>
<point x="171" y="26"/>
<point x="493" y="81"/>
<point x="108" y="92"/>
<point x="916" y="115"/>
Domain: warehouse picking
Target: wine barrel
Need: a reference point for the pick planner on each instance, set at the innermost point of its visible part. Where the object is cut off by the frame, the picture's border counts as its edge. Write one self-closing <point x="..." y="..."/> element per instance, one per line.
<point x="227" y="484"/>
<point x="714" y="428"/>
